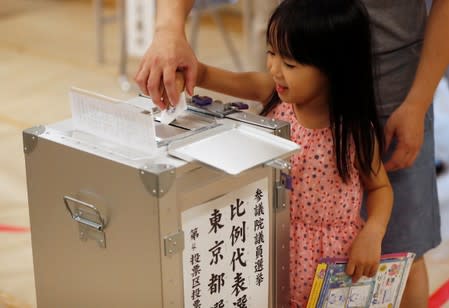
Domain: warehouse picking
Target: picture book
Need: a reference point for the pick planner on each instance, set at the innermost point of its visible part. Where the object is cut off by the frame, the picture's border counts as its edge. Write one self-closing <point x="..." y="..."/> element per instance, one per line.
<point x="333" y="288"/>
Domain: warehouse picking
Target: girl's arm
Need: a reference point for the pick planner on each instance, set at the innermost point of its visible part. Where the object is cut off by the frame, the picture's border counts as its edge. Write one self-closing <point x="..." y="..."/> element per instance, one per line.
<point x="257" y="86"/>
<point x="365" y="251"/>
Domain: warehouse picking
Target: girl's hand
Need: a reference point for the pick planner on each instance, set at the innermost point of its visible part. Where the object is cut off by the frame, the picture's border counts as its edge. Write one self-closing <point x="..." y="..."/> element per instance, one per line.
<point x="364" y="256"/>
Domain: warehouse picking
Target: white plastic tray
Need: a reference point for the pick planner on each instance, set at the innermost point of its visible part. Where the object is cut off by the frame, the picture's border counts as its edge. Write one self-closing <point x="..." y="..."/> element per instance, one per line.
<point x="233" y="149"/>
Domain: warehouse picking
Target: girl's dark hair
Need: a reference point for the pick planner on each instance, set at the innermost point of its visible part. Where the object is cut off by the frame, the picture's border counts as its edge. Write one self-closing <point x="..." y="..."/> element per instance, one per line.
<point x="334" y="36"/>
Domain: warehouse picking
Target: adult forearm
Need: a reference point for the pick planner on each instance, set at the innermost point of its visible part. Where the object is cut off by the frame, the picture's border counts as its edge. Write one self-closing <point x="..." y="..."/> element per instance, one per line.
<point x="172" y="14"/>
<point x="434" y="57"/>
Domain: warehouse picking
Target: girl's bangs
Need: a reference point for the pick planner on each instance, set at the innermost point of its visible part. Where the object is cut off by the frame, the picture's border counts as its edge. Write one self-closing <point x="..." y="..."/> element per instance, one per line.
<point x="290" y="35"/>
<point x="277" y="37"/>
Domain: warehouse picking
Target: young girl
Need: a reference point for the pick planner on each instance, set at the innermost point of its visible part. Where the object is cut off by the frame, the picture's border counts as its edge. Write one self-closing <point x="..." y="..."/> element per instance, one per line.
<point x="320" y="80"/>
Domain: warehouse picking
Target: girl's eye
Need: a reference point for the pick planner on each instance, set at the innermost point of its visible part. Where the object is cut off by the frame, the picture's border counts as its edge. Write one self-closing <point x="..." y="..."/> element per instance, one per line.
<point x="289" y="65"/>
<point x="269" y="52"/>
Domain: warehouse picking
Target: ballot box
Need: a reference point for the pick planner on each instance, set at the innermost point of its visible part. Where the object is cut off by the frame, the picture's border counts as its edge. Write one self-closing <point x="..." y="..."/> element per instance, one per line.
<point x="201" y="220"/>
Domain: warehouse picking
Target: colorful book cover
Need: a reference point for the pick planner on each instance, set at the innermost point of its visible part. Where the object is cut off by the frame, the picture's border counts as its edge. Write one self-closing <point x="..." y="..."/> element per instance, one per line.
<point x="318" y="280"/>
<point x="384" y="290"/>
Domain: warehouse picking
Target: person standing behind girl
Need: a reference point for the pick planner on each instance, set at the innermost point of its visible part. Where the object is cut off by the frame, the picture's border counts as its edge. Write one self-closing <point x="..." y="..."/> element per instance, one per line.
<point x="320" y="80"/>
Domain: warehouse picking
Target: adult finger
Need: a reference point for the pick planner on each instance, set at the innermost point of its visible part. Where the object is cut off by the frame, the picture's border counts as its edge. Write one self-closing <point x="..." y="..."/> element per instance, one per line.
<point x="180" y="81"/>
<point x="153" y="85"/>
<point x="170" y="85"/>
<point x="403" y="157"/>
<point x="139" y="68"/>
<point x="414" y="150"/>
<point x="407" y="161"/>
<point x="141" y="77"/>
<point x="190" y="75"/>
<point x="398" y="157"/>
<point x="388" y="133"/>
<point x="412" y="159"/>
<point x="164" y="102"/>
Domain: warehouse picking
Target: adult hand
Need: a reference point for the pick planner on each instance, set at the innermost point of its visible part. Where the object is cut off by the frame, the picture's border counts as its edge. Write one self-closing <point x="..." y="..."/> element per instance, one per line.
<point x="168" y="53"/>
<point x="179" y="87"/>
<point x="406" y="124"/>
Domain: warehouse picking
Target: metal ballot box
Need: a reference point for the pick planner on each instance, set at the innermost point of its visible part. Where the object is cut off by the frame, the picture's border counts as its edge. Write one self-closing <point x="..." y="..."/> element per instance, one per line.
<point x="203" y="223"/>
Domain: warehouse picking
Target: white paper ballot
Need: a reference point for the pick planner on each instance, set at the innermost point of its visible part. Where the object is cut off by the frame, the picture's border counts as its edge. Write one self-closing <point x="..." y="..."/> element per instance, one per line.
<point x="171" y="113"/>
<point x="113" y="120"/>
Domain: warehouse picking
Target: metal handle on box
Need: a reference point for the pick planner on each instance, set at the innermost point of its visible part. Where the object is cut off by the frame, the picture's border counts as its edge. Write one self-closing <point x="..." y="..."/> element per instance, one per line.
<point x="87" y="227"/>
<point x="82" y="220"/>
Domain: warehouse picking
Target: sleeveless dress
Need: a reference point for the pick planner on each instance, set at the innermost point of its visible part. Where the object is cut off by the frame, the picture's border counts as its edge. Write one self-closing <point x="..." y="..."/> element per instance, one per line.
<point x="324" y="211"/>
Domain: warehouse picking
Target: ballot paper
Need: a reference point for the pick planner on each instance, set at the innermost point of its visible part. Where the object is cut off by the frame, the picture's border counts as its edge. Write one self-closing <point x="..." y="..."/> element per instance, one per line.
<point x="113" y="120"/>
<point x="172" y="112"/>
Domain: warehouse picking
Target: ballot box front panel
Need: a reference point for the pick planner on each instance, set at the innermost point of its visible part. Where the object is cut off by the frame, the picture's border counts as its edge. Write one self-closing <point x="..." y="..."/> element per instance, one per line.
<point x="72" y="271"/>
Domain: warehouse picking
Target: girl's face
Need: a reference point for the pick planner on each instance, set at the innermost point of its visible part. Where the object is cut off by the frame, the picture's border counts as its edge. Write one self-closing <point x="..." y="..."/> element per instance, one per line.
<point x="297" y="83"/>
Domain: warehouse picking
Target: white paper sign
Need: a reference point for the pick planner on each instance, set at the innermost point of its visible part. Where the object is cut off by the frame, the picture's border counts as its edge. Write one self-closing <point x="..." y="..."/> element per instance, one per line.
<point x="226" y="256"/>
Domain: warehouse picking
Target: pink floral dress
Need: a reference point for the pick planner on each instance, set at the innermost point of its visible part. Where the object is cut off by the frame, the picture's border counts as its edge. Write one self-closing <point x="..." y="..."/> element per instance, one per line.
<point x="324" y="211"/>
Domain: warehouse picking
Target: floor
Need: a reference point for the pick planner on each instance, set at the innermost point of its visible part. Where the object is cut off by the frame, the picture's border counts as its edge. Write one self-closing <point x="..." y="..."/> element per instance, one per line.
<point x="47" y="46"/>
